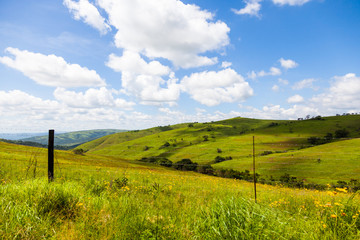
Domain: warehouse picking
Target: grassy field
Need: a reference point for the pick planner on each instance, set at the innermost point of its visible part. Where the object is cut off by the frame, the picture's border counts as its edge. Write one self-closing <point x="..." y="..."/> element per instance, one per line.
<point x="282" y="147"/>
<point x="98" y="197"/>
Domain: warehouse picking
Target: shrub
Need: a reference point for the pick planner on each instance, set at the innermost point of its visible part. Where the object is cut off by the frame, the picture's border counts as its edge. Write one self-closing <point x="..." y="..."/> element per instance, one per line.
<point x="165" y="145"/>
<point x="219" y="159"/>
<point x="79" y="151"/>
<point x="341" y="133"/>
<point x="185" y="165"/>
<point x="205" y="169"/>
<point x="266" y="153"/>
<point x="165" y="162"/>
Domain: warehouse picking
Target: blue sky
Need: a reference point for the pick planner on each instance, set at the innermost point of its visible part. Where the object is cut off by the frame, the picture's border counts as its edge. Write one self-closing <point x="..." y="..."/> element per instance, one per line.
<point x="75" y="65"/>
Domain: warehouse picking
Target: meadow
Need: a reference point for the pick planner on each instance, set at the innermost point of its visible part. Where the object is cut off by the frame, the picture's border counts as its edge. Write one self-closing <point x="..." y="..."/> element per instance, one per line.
<point x="108" y="197"/>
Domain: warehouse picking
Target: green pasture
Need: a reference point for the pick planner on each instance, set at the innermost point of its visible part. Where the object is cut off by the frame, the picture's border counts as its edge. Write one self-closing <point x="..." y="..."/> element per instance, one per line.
<point x="105" y="197"/>
<point x="281" y="147"/>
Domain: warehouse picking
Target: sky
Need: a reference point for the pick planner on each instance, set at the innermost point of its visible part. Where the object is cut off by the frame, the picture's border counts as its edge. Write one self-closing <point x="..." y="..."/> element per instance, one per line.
<point x="132" y="64"/>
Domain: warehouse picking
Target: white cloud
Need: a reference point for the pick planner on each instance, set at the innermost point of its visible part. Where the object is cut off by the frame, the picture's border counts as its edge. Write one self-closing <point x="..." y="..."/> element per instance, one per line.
<point x="166" y="29"/>
<point x="51" y="70"/>
<point x="22" y="101"/>
<point x="278" y="112"/>
<point x="83" y="10"/>
<point x="343" y="94"/>
<point x="283" y="81"/>
<point x="226" y="64"/>
<point x="145" y="80"/>
<point x="252" y="8"/>
<point x="272" y="72"/>
<point x="275" y="88"/>
<point x="212" y="88"/>
<point x="287" y="64"/>
<point x="133" y="63"/>
<point x="92" y="98"/>
<point x="306" y="83"/>
<point x="295" y="99"/>
<point x="290" y="2"/>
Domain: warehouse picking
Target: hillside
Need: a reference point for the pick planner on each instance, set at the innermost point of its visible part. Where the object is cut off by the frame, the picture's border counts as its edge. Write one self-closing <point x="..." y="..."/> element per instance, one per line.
<point x="285" y="141"/>
<point x="73" y="138"/>
<point x="104" y="197"/>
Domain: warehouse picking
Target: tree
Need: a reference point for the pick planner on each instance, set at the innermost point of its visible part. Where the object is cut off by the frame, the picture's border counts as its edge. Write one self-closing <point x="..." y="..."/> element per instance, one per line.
<point x="185" y="165"/>
<point x="341" y="133"/>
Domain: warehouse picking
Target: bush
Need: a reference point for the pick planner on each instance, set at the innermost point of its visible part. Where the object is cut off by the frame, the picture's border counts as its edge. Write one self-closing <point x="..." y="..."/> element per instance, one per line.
<point x="165" y="162"/>
<point x="314" y="140"/>
<point x="185" y="165"/>
<point x="266" y="153"/>
<point x="205" y="169"/>
<point x="79" y="151"/>
<point x="219" y="159"/>
<point x="165" y="145"/>
<point x="342" y="133"/>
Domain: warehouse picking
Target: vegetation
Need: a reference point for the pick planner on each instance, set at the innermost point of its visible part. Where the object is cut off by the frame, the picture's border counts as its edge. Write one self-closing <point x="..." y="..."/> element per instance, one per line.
<point x="292" y="147"/>
<point x="101" y="190"/>
<point x="73" y="139"/>
<point x="95" y="197"/>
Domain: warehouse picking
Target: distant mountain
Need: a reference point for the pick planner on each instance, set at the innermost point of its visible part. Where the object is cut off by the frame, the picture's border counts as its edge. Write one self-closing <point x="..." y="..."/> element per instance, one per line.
<point x="18" y="136"/>
<point x="73" y="138"/>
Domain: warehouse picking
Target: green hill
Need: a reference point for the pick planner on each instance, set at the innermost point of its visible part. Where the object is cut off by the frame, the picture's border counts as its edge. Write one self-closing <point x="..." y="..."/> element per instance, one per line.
<point x="73" y="138"/>
<point x="281" y="146"/>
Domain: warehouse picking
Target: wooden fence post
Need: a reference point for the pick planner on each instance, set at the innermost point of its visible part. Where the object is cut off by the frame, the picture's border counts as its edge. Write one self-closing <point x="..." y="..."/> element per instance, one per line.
<point x="254" y="167"/>
<point x="51" y="156"/>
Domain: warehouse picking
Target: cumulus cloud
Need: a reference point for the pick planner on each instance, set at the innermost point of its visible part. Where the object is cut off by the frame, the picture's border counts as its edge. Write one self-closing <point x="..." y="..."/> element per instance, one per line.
<point x="343" y="94"/>
<point x="85" y="11"/>
<point x="17" y="99"/>
<point x="251" y="8"/>
<point x="212" y="88"/>
<point x="278" y="112"/>
<point x="295" y="99"/>
<point x="226" y="64"/>
<point x="145" y="80"/>
<point x="283" y="81"/>
<point x="288" y="63"/>
<point x="92" y="98"/>
<point x="290" y="2"/>
<point x="23" y="112"/>
<point x="166" y="29"/>
<point x="51" y="70"/>
<point x="306" y="83"/>
<point x="272" y="72"/>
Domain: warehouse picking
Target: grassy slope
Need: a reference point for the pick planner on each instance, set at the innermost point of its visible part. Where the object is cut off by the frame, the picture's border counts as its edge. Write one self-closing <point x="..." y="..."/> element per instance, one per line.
<point x="74" y="138"/>
<point x="234" y="138"/>
<point x="157" y="203"/>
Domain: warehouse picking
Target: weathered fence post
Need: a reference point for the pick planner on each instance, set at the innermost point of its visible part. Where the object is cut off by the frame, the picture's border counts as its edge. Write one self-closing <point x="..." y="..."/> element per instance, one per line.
<point x="254" y="167"/>
<point x="51" y="156"/>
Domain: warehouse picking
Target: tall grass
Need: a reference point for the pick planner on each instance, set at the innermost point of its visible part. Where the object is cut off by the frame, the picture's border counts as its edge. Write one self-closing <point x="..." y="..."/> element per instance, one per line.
<point x="97" y="197"/>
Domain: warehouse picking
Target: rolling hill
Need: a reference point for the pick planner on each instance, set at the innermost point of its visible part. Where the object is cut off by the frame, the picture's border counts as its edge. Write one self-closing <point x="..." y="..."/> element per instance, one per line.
<point x="73" y="138"/>
<point x="281" y="146"/>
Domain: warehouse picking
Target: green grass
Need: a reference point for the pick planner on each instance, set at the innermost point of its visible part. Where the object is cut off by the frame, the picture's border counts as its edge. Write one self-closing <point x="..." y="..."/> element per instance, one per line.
<point x="96" y="197"/>
<point x="286" y="140"/>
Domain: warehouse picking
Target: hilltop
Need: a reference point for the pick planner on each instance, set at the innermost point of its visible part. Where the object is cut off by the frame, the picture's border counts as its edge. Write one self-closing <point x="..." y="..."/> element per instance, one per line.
<point x="308" y="149"/>
<point x="71" y="139"/>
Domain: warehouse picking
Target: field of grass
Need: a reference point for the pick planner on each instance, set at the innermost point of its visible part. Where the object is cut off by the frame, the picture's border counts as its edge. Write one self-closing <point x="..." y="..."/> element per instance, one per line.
<point x="282" y="147"/>
<point x="102" y="197"/>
